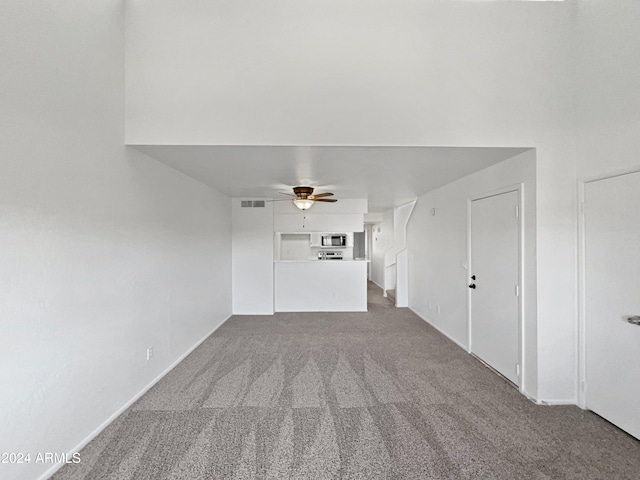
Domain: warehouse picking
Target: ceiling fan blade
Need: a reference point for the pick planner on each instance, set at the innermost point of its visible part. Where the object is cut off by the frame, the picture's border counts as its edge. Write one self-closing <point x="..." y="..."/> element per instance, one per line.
<point x="325" y="200"/>
<point x="279" y="200"/>
<point x="287" y="194"/>
<point x="325" y="194"/>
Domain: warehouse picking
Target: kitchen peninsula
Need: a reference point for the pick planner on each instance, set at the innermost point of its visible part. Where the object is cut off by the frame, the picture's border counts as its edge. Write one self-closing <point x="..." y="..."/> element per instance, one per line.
<point x="321" y="285"/>
<point x="317" y="272"/>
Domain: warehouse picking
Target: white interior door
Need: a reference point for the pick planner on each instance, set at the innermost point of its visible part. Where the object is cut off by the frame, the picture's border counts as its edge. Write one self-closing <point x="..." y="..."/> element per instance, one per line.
<point x="493" y="280"/>
<point x="612" y="296"/>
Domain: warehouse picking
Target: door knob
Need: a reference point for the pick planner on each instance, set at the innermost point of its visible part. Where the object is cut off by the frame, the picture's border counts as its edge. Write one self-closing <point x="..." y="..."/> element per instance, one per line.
<point x="635" y="320"/>
<point x="473" y="285"/>
<point x="473" y="277"/>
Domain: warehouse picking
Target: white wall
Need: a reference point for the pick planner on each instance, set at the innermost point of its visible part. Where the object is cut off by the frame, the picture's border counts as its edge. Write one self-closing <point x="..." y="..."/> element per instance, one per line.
<point x="608" y="113"/>
<point x="301" y="222"/>
<point x="382" y="240"/>
<point x="373" y="217"/>
<point x="302" y="72"/>
<point x="253" y="251"/>
<point x="437" y="246"/>
<point x="103" y="251"/>
<point x="401" y="216"/>
<point x="296" y="247"/>
<point x="389" y="238"/>
<point x="346" y="215"/>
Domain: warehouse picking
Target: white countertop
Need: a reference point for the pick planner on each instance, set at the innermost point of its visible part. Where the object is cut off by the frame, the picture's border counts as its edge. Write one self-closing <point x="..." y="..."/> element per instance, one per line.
<point x="359" y="260"/>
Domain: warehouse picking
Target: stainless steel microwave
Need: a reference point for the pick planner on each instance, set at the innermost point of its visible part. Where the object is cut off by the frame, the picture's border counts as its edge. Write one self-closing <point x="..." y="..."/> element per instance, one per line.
<point x="334" y="240"/>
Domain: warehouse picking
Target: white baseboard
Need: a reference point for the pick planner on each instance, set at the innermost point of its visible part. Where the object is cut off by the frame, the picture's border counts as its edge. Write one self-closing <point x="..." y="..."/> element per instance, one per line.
<point x="548" y="403"/>
<point x="530" y="397"/>
<point x="121" y="410"/>
<point x="376" y="283"/>
<point x="462" y="346"/>
<point x="555" y="402"/>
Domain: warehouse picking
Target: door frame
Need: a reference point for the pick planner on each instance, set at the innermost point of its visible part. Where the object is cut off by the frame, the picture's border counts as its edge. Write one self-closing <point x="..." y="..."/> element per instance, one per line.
<point x="519" y="189"/>
<point x="368" y="230"/>
<point x="582" y="277"/>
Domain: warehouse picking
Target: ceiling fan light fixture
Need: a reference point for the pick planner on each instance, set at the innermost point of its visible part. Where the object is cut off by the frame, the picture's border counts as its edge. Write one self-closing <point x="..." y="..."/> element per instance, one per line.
<point x="303" y="203"/>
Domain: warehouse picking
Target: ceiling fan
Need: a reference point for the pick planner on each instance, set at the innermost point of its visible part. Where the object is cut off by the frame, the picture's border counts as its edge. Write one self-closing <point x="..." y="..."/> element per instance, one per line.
<point x="304" y="197"/>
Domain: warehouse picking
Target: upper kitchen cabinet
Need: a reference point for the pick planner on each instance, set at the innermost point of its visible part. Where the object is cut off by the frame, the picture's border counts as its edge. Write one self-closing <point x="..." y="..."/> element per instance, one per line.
<point x="299" y="223"/>
<point x="346" y="215"/>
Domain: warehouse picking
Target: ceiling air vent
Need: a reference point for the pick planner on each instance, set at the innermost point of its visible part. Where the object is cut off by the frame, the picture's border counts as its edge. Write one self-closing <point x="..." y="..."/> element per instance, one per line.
<point x="251" y="203"/>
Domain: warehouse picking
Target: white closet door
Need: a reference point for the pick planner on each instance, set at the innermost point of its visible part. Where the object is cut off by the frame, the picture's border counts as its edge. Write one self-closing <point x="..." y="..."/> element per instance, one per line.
<point x="612" y="269"/>
<point x="494" y="262"/>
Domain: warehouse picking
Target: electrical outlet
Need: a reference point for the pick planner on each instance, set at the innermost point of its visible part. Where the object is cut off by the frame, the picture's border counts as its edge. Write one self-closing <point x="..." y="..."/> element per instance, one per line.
<point x="438" y="308"/>
<point x="149" y="353"/>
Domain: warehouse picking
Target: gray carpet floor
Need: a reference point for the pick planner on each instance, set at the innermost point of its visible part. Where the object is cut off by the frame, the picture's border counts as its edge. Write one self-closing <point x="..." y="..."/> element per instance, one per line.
<point x="372" y="395"/>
